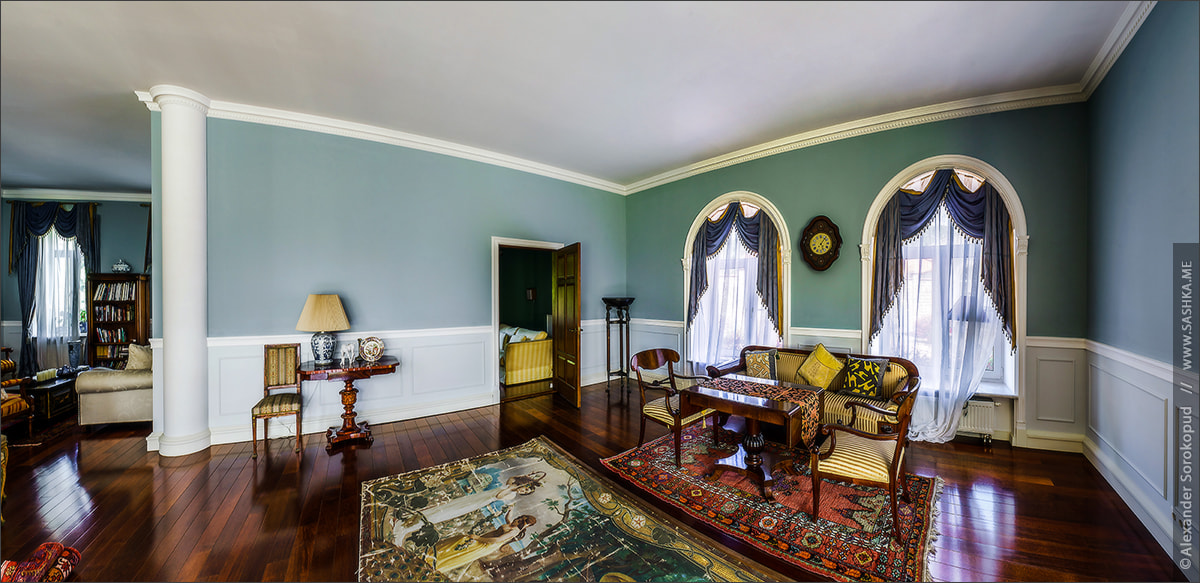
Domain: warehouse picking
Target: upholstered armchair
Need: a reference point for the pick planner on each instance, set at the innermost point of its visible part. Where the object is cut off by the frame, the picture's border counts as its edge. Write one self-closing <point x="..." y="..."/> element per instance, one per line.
<point x="850" y="454"/>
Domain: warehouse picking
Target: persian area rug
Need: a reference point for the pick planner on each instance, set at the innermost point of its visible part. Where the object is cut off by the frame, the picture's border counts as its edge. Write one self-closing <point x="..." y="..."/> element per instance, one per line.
<point x="852" y="540"/>
<point x="528" y="513"/>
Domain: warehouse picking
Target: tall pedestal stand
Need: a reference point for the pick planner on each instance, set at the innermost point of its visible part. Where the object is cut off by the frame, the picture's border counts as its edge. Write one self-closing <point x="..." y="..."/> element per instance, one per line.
<point x="616" y="313"/>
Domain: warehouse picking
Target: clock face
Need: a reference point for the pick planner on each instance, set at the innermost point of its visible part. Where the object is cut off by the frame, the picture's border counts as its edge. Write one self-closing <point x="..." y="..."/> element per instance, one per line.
<point x="820" y="243"/>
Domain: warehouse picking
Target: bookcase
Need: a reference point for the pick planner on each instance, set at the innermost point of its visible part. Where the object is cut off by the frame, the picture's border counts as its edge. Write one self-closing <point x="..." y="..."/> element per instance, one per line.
<point x="118" y="315"/>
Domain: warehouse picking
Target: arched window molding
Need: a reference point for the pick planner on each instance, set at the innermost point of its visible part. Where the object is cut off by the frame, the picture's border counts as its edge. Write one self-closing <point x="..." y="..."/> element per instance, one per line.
<point x="1021" y="239"/>
<point x="785" y="253"/>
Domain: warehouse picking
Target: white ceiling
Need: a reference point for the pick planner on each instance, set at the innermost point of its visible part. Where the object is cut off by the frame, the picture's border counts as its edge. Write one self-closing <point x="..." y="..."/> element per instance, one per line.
<point x="616" y="93"/>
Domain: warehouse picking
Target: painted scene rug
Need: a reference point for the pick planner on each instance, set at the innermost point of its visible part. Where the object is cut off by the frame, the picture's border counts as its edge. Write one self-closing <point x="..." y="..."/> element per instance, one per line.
<point x="852" y="540"/>
<point x="528" y="513"/>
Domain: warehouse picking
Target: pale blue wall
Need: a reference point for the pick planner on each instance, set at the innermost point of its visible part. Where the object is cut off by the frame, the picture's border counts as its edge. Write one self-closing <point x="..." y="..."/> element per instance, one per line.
<point x="1041" y="151"/>
<point x="122" y="235"/>
<point x="404" y="236"/>
<point x="1145" y="171"/>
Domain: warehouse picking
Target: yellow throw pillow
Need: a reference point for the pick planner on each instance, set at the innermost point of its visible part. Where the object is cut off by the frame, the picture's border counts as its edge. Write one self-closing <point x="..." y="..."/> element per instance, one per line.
<point x="761" y="364"/>
<point x="542" y="335"/>
<point x="820" y="367"/>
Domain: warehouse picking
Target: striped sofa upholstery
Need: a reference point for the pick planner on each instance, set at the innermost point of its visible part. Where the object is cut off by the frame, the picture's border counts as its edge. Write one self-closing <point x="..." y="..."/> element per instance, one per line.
<point x="897" y="379"/>
<point x="525" y="355"/>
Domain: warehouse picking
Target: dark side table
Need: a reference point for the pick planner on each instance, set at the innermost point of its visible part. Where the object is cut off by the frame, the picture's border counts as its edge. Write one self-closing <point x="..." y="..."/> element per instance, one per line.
<point x="53" y="398"/>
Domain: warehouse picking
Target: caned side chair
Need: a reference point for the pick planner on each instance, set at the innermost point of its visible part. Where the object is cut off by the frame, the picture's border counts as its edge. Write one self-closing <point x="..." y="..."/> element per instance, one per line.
<point x="852" y="455"/>
<point x="281" y="365"/>
<point x="665" y="409"/>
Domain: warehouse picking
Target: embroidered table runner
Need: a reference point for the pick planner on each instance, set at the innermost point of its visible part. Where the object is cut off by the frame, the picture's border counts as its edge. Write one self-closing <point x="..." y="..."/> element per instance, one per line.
<point x="809" y="400"/>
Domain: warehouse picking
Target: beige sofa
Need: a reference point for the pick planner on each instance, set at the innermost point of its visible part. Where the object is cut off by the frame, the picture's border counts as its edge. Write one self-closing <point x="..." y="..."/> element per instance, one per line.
<point x="117" y="396"/>
<point x="900" y="378"/>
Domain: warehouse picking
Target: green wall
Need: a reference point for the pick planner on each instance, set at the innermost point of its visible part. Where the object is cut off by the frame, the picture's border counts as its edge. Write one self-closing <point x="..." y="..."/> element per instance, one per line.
<point x="1041" y="151"/>
<point x="403" y="235"/>
<point x="521" y="270"/>
<point x="1145" y="172"/>
<point x="122" y="236"/>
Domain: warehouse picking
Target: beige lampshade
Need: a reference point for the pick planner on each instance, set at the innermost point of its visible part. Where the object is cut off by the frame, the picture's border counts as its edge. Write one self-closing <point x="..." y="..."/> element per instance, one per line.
<point x="323" y="313"/>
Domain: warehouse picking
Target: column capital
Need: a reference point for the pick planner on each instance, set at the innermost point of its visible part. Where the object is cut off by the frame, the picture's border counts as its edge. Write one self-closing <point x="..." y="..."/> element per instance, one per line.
<point x="175" y="95"/>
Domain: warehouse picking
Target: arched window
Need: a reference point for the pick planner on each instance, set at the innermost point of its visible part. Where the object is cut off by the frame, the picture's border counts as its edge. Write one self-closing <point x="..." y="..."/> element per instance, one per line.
<point x="942" y="289"/>
<point x="736" y="265"/>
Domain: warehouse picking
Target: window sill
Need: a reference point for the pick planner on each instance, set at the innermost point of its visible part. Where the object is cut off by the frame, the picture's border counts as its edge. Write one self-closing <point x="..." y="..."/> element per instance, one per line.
<point x="995" y="389"/>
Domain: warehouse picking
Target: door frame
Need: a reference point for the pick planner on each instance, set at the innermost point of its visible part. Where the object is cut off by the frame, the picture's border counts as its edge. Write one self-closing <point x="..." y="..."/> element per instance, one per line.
<point x="497" y="243"/>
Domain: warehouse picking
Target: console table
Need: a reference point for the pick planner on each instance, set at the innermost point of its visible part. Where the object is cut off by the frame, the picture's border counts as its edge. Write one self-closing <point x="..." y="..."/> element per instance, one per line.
<point x="351" y="430"/>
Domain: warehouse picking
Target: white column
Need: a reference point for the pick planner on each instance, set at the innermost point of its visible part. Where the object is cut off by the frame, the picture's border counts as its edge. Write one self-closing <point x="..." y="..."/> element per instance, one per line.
<point x="185" y="269"/>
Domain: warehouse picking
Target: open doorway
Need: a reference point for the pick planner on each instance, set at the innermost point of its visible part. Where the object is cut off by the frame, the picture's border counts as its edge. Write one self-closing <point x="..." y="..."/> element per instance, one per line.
<point x="524" y="304"/>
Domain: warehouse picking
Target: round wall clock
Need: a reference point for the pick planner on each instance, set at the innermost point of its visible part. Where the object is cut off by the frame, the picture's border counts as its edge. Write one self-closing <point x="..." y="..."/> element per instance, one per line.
<point x="820" y="243"/>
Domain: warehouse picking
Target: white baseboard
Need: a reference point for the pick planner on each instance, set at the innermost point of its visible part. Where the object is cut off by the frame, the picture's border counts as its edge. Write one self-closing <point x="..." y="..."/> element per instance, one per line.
<point x="1158" y="524"/>
<point x="285" y="426"/>
<point x="1053" y="441"/>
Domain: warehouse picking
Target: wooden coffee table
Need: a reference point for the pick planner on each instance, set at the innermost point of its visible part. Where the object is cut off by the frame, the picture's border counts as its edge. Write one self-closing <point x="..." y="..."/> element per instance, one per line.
<point x="737" y="395"/>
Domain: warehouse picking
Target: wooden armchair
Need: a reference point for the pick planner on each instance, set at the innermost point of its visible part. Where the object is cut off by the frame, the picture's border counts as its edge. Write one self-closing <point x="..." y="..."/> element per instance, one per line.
<point x="861" y="457"/>
<point x="665" y="409"/>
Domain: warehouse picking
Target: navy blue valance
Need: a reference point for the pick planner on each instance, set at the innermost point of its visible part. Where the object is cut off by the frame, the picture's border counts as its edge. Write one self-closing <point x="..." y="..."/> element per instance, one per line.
<point x="760" y="237"/>
<point x="28" y="222"/>
<point x="978" y="215"/>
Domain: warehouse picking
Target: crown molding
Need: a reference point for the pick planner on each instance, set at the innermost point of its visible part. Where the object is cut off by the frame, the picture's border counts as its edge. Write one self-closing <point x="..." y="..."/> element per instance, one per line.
<point x="889" y="121"/>
<point x="325" y="125"/>
<point x="1129" y="23"/>
<point x="1131" y="20"/>
<point x="62" y="195"/>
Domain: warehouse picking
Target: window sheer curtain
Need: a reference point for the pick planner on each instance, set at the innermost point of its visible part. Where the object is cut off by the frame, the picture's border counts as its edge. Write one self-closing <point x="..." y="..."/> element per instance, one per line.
<point x="56" y="299"/>
<point x="28" y="222"/>
<point x="730" y="314"/>
<point x="943" y="320"/>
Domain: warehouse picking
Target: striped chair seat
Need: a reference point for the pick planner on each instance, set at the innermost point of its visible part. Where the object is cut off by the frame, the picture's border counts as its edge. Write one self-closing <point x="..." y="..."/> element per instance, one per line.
<point x="658" y="410"/>
<point x="13" y="404"/>
<point x="277" y="404"/>
<point x="837" y="413"/>
<point x="859" y="458"/>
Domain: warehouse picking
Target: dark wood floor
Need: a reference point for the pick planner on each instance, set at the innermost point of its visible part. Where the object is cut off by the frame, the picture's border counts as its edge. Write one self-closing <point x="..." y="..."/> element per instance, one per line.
<point x="1006" y="514"/>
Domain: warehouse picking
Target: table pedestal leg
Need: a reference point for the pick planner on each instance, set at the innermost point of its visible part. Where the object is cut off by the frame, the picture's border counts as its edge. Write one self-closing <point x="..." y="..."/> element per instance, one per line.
<point x="350" y="429"/>
<point x="750" y="460"/>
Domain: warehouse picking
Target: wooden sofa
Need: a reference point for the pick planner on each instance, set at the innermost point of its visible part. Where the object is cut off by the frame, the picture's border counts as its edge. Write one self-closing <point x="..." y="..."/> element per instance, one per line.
<point x="899" y="380"/>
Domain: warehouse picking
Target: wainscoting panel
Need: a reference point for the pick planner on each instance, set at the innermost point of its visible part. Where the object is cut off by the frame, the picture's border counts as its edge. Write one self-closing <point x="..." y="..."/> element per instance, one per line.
<point x="1130" y="417"/>
<point x="835" y="340"/>
<point x="441" y="370"/>
<point x="646" y="334"/>
<point x="591" y="351"/>
<point x="1056" y="400"/>
<point x="1056" y="393"/>
<point x="1129" y="432"/>
<point x="10" y="336"/>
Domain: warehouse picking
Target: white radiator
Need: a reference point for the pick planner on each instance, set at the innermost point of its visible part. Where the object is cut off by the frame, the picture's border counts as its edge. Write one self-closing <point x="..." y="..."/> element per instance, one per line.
<point x="979" y="418"/>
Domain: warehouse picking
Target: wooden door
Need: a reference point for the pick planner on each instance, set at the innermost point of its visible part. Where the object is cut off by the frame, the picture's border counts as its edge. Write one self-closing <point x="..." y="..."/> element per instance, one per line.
<point x="566" y="323"/>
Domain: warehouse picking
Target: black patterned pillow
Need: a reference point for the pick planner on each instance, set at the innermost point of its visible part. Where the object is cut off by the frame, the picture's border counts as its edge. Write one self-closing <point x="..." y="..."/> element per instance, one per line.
<point x="864" y="376"/>
<point x="761" y="363"/>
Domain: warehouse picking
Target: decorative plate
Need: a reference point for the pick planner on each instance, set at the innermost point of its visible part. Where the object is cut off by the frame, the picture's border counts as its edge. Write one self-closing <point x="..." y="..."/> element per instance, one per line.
<point x="370" y="348"/>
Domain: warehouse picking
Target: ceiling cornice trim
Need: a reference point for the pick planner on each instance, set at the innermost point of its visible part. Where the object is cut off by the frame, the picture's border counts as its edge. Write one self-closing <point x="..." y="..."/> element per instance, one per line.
<point x="325" y="125"/>
<point x="910" y="117"/>
<point x="1129" y="23"/>
<point x="63" y="195"/>
<point x="1131" y="20"/>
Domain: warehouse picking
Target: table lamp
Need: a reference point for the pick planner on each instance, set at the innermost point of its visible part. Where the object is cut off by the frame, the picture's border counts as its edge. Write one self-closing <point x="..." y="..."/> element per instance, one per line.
<point x="322" y="314"/>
